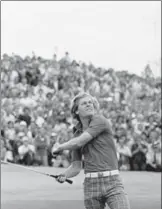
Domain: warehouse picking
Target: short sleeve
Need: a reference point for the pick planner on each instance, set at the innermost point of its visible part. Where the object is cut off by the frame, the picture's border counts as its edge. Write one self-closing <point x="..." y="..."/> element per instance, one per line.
<point x="97" y="126"/>
<point x="76" y="155"/>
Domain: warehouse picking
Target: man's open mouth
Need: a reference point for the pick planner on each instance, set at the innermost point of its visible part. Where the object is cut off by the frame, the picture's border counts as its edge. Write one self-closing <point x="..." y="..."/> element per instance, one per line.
<point x="89" y="109"/>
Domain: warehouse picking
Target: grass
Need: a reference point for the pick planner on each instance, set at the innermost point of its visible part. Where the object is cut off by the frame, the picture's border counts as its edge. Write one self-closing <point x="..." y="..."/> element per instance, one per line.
<point x="22" y="189"/>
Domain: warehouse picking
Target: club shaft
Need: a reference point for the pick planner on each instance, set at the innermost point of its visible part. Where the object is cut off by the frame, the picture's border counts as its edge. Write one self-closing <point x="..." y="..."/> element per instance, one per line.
<point x="24" y="167"/>
<point x="29" y="169"/>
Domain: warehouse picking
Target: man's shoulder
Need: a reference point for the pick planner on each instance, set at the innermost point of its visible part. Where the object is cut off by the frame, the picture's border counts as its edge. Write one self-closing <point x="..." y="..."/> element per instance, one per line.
<point x="99" y="118"/>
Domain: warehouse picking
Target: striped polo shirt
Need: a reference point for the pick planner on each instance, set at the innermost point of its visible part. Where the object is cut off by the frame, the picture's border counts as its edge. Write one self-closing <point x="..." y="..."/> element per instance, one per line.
<point x="100" y="153"/>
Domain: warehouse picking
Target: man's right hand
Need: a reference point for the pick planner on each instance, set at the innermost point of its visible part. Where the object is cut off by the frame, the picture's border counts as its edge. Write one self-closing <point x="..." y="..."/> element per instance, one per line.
<point x="61" y="178"/>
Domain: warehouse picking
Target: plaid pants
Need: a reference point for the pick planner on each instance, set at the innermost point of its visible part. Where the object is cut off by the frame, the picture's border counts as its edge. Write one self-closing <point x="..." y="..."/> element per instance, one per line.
<point x="102" y="190"/>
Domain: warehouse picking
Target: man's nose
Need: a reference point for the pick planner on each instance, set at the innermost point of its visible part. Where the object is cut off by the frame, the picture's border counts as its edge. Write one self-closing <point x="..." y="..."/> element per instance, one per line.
<point x="88" y="105"/>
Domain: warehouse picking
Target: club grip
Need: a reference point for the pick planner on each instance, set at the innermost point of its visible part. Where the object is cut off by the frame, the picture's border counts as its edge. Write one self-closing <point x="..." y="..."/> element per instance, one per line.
<point x="67" y="180"/>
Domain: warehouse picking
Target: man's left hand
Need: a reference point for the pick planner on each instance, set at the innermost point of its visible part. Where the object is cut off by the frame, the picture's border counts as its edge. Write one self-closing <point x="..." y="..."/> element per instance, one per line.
<point x="56" y="149"/>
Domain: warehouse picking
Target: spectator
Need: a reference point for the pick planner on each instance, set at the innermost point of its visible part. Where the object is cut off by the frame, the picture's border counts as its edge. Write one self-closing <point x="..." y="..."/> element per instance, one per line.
<point x="53" y="138"/>
<point x="3" y="150"/>
<point x="41" y="146"/>
<point x="26" y="152"/>
<point x="10" y="132"/>
<point x="124" y="153"/>
<point x="139" y="150"/>
<point x="25" y="116"/>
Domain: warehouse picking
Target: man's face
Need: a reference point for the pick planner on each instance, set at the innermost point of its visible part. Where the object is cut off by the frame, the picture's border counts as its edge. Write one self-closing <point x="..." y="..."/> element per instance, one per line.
<point x="25" y="143"/>
<point x="85" y="107"/>
<point x="49" y="96"/>
<point x="33" y="126"/>
<point x="24" y="81"/>
<point x="153" y="135"/>
<point x="26" y="111"/>
<point x="122" y="140"/>
<point x="10" y="125"/>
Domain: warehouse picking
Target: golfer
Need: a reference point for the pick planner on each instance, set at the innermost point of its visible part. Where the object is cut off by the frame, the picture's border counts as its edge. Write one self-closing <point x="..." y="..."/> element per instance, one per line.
<point x="93" y="141"/>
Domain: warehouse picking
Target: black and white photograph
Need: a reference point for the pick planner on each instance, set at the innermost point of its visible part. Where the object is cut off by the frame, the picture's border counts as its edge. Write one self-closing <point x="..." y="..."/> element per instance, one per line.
<point x="81" y="105"/>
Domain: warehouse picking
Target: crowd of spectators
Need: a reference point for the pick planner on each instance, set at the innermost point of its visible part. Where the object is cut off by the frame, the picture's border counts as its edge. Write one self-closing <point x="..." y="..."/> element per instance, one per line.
<point x="36" y="97"/>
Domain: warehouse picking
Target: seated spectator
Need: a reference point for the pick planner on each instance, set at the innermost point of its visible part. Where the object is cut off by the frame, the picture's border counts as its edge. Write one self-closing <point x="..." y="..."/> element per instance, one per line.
<point x="9" y="152"/>
<point x="3" y="150"/>
<point x="8" y="113"/>
<point x="25" y="116"/>
<point x="139" y="150"/>
<point x="153" y="136"/>
<point x="49" y="101"/>
<point x="26" y="152"/>
<point x="22" y="127"/>
<point x="10" y="132"/>
<point x="124" y="153"/>
<point x="62" y="160"/>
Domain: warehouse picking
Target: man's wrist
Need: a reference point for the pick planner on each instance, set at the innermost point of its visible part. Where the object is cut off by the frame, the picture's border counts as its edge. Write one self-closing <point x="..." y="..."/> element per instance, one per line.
<point x="61" y="147"/>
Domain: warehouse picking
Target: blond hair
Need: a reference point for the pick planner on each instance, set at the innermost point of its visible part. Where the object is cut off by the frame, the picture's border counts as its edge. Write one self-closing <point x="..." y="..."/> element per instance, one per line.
<point x="75" y="103"/>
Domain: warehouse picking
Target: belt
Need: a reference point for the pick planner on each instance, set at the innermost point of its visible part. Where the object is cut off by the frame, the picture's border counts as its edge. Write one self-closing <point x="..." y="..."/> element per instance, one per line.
<point x="102" y="174"/>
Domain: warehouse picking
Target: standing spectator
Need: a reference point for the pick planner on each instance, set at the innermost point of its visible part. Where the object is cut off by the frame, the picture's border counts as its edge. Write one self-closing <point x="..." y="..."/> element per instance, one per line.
<point x="52" y="142"/>
<point x="139" y="150"/>
<point x="154" y="153"/>
<point x="124" y="153"/>
<point x="41" y="146"/>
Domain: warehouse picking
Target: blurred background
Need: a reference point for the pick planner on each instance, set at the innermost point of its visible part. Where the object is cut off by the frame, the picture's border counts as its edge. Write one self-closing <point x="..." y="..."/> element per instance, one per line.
<point x="103" y="48"/>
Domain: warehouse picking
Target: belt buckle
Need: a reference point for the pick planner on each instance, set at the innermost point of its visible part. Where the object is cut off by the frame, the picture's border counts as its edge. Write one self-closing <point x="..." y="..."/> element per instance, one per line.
<point x="100" y="174"/>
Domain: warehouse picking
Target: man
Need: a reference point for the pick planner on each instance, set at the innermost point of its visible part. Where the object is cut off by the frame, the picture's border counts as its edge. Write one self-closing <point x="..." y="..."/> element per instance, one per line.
<point x="93" y="140"/>
<point x="26" y="152"/>
<point x="139" y="150"/>
<point x="41" y="146"/>
<point x="25" y="116"/>
<point x="124" y="153"/>
<point x="53" y="138"/>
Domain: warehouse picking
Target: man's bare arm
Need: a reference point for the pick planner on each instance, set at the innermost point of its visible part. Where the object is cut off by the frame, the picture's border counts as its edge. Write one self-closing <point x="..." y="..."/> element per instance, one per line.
<point x="73" y="170"/>
<point x="76" y="142"/>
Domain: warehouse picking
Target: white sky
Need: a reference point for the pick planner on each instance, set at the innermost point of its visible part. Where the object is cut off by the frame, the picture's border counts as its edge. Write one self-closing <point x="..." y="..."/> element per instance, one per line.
<point x="123" y="35"/>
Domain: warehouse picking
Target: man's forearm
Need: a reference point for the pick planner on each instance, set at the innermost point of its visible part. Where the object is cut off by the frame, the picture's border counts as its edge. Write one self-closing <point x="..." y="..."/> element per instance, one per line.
<point x="71" y="171"/>
<point x="70" y="145"/>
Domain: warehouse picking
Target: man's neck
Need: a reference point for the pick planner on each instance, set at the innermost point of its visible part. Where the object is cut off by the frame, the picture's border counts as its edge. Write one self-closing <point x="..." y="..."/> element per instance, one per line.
<point x="85" y="123"/>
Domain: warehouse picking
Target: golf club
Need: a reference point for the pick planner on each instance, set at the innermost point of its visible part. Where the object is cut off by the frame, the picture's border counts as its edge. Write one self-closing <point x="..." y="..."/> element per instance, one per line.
<point x="29" y="169"/>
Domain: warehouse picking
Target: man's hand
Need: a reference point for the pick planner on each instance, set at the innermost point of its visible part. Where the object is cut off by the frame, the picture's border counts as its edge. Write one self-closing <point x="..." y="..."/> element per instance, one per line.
<point x="56" y="149"/>
<point x="61" y="178"/>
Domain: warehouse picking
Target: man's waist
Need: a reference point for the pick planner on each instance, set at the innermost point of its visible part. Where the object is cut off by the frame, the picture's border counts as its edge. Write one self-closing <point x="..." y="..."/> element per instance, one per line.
<point x="101" y="174"/>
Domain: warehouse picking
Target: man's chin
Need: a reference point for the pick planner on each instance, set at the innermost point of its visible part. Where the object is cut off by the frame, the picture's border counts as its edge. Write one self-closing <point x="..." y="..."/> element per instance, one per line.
<point x="89" y="114"/>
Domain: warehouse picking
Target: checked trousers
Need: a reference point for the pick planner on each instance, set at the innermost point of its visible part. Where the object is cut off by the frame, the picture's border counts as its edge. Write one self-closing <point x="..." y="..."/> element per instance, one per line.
<point x="101" y="190"/>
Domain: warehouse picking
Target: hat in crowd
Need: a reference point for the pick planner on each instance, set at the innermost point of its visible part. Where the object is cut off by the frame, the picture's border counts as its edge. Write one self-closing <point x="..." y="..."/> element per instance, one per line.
<point x="123" y="102"/>
<point x="53" y="134"/>
<point x="40" y="121"/>
<point x="133" y="115"/>
<point x="20" y="134"/>
<point x="25" y="138"/>
<point x="109" y="99"/>
<point x="23" y="123"/>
